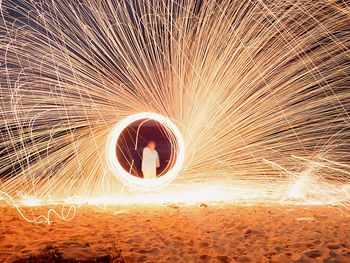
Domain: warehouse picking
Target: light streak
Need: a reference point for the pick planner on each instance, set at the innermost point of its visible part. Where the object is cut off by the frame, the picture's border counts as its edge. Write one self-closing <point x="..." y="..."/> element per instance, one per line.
<point x="63" y="215"/>
<point x="249" y="84"/>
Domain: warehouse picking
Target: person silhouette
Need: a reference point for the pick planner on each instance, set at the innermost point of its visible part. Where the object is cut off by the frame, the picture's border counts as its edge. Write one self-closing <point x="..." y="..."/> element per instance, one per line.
<point x="150" y="160"/>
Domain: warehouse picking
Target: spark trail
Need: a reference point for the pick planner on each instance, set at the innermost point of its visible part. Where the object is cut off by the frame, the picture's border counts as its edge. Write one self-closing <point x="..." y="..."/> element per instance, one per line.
<point x="250" y="84"/>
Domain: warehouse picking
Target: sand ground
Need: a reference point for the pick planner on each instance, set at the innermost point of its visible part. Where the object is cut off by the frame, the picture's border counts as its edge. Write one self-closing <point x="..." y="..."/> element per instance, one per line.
<point x="180" y="233"/>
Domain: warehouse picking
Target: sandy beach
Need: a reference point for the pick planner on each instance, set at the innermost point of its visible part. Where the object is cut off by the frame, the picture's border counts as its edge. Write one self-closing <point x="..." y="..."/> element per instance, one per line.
<point x="179" y="233"/>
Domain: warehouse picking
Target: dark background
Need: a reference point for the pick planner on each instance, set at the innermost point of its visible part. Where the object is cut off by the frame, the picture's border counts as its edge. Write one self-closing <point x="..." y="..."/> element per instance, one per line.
<point x="149" y="130"/>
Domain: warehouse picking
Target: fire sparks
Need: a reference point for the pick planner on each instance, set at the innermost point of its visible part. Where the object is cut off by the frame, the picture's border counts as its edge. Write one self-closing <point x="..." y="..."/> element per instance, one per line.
<point x="258" y="91"/>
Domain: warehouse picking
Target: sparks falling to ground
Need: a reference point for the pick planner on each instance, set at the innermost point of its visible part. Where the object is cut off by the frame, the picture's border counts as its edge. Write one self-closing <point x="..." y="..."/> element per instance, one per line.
<point x="258" y="89"/>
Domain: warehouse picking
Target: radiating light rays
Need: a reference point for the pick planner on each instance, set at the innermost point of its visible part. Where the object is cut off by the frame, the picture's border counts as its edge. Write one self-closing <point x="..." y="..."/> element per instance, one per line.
<point x="258" y="89"/>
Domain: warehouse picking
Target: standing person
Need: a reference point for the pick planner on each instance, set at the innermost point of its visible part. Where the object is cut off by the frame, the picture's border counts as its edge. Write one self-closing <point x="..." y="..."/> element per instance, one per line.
<point x="150" y="160"/>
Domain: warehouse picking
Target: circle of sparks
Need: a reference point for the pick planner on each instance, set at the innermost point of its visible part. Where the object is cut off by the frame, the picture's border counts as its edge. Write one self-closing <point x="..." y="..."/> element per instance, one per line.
<point x="261" y="89"/>
<point x="137" y="182"/>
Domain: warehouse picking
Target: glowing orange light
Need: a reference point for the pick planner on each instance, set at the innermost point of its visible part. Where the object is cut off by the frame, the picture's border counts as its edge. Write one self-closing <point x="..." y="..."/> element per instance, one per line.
<point x="136" y="182"/>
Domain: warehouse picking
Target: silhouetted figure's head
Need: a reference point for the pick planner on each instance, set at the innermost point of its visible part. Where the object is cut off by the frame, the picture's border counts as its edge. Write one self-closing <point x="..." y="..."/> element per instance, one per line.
<point x="151" y="144"/>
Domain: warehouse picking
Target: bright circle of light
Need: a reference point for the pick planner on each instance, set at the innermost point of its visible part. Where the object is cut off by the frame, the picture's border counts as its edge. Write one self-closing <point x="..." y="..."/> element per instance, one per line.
<point x="131" y="180"/>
